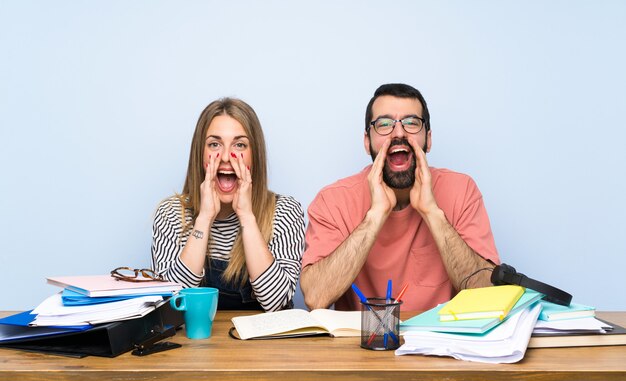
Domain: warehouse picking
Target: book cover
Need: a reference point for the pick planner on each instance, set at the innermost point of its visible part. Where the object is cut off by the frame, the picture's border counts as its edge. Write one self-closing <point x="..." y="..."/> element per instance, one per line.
<point x="552" y="312"/>
<point x="482" y="303"/>
<point x="429" y="320"/>
<point x="106" y="285"/>
<point x="298" y="322"/>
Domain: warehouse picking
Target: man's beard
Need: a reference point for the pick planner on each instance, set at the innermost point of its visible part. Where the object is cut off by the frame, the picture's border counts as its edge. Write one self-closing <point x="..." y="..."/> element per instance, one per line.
<point x="401" y="179"/>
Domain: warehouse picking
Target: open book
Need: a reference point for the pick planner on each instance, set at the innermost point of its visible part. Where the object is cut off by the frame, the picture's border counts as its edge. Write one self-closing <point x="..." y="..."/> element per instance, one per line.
<point x="293" y="323"/>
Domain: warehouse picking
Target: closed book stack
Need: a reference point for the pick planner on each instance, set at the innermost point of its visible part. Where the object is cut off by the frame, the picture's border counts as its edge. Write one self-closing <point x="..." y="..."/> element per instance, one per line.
<point x="429" y="320"/>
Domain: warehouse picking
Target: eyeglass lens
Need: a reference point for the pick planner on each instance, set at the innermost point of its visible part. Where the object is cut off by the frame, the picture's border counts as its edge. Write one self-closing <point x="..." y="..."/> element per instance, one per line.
<point x="135" y="274"/>
<point x="384" y="126"/>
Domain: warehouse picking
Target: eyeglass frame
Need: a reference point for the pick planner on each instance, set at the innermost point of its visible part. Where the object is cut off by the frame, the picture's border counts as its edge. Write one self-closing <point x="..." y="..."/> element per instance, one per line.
<point x="144" y="272"/>
<point x="373" y="124"/>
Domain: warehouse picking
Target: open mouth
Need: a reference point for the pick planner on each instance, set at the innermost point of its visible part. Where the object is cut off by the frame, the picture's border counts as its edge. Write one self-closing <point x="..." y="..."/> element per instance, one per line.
<point x="226" y="180"/>
<point x="399" y="157"/>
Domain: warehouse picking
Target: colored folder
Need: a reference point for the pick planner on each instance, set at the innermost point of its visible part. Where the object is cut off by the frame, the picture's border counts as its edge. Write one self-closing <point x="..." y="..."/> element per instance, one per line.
<point x="73" y="298"/>
<point x="552" y="312"/>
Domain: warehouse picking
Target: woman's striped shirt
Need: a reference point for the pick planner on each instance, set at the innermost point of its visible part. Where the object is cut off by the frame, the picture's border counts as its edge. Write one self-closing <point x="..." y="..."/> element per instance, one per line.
<point x="273" y="289"/>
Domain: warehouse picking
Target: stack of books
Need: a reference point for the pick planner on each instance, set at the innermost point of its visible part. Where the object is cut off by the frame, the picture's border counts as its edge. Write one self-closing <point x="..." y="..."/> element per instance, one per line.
<point x="497" y="324"/>
<point x="490" y="324"/>
<point x="573" y="326"/>
<point x="437" y="319"/>
<point x="94" y="315"/>
<point x="95" y="299"/>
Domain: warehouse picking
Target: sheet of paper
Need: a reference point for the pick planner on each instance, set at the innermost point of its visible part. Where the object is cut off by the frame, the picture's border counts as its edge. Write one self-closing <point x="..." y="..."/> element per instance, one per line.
<point x="52" y="312"/>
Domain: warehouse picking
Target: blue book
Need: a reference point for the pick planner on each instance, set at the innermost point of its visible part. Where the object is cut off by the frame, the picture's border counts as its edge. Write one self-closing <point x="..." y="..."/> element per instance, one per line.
<point x="429" y="320"/>
<point x="552" y="312"/>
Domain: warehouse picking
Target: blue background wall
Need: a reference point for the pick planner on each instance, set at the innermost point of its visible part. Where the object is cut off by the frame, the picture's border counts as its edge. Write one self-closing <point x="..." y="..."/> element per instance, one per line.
<point x="98" y="101"/>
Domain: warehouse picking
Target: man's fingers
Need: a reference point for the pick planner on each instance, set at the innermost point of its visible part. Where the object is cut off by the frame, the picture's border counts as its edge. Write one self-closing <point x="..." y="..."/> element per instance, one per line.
<point x="379" y="162"/>
<point x="422" y="163"/>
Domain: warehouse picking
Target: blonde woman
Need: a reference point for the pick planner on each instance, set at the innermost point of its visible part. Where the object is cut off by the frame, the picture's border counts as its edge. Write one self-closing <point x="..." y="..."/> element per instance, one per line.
<point x="227" y="230"/>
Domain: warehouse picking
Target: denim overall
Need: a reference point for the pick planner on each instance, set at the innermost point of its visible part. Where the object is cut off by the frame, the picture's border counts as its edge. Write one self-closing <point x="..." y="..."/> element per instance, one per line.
<point x="231" y="296"/>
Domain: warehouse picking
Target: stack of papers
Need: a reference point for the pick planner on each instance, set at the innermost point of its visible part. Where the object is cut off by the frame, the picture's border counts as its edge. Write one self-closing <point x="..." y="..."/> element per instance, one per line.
<point x="52" y="312"/>
<point x="571" y="326"/>
<point x="582" y="332"/>
<point x="506" y="343"/>
<point x="95" y="299"/>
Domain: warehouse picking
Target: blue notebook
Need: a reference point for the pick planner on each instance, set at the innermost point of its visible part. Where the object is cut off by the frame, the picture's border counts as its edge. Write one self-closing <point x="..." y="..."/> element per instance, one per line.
<point x="429" y="320"/>
<point x="552" y="312"/>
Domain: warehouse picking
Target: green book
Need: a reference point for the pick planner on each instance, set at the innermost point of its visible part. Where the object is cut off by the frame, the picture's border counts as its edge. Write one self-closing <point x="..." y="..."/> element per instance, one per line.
<point x="552" y="312"/>
<point x="429" y="320"/>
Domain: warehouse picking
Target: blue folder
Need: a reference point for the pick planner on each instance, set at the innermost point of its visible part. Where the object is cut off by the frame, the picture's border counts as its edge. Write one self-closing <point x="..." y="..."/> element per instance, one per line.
<point x="73" y="298"/>
<point x="15" y="328"/>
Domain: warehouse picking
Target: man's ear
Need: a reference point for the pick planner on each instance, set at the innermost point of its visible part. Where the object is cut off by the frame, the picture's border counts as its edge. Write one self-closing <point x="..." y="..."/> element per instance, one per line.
<point x="429" y="141"/>
<point x="366" y="143"/>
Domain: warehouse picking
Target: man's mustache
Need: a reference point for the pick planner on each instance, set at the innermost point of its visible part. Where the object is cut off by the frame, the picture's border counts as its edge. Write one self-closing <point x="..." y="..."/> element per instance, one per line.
<point x="401" y="142"/>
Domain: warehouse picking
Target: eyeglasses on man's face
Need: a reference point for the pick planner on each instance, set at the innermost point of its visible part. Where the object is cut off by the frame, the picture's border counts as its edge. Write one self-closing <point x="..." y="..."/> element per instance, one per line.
<point x="411" y="124"/>
<point x="136" y="275"/>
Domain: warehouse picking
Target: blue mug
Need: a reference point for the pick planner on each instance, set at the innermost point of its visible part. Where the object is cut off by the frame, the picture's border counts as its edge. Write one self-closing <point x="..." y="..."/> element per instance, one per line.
<point x="199" y="305"/>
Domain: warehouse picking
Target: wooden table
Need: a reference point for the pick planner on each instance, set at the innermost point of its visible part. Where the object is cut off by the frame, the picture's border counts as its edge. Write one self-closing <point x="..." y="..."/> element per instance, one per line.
<point x="313" y="358"/>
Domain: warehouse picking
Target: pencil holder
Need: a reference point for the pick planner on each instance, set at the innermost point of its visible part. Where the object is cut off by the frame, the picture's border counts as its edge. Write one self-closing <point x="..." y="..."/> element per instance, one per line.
<point x="380" y="324"/>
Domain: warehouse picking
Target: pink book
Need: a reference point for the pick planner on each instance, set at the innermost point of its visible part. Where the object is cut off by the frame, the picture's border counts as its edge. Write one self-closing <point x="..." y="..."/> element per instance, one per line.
<point x="106" y="285"/>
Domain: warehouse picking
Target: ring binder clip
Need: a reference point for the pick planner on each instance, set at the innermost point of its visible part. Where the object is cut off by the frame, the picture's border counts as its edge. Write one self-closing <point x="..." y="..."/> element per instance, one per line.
<point x="152" y="343"/>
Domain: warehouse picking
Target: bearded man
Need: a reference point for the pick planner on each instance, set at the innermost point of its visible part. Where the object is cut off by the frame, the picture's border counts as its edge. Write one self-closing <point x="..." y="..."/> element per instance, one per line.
<point x="397" y="219"/>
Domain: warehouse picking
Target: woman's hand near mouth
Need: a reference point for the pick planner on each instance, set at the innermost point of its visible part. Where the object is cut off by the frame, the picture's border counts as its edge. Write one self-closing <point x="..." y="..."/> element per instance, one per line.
<point x="209" y="199"/>
<point x="242" y="201"/>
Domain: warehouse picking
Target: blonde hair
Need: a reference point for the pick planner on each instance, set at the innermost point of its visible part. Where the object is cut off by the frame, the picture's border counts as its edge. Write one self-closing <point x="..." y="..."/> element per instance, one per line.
<point x="263" y="200"/>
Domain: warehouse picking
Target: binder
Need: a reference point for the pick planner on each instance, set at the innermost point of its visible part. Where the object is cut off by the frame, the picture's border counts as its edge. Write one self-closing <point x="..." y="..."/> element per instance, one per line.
<point x="105" y="340"/>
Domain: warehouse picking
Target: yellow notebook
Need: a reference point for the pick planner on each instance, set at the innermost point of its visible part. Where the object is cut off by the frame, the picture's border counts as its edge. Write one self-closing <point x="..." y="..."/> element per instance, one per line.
<point x="481" y="303"/>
